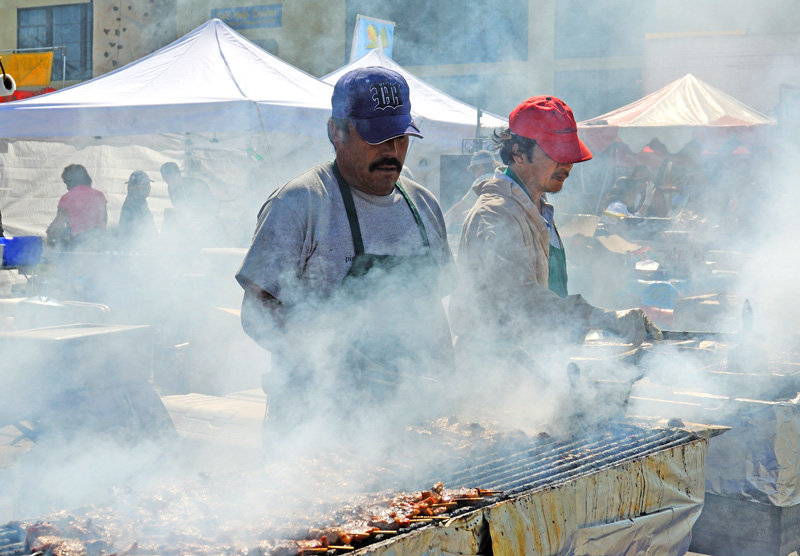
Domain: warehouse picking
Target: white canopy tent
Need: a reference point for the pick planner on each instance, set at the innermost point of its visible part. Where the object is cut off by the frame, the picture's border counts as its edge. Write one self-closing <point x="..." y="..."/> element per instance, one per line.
<point x="212" y="79"/>
<point x="230" y="112"/>
<point x="685" y="109"/>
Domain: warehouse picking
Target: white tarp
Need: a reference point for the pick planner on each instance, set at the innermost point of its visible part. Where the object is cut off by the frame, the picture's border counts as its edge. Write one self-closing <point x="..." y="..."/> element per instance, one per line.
<point x="212" y="79"/>
<point x="760" y="457"/>
<point x="241" y="169"/>
<point x="440" y="117"/>
<point x="674" y="114"/>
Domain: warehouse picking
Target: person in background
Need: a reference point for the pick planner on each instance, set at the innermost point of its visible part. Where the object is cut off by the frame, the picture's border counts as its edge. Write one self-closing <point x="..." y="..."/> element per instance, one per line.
<point x="193" y="219"/>
<point x="482" y="165"/>
<point x="183" y="191"/>
<point x="344" y="279"/>
<point x="81" y="218"/>
<point x="137" y="229"/>
<point x="511" y="259"/>
<point x="649" y="200"/>
<point x="623" y="198"/>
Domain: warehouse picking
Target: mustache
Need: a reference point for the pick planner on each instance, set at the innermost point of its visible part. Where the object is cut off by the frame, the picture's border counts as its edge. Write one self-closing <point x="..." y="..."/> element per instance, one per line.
<point x="386" y="161"/>
<point x="564" y="174"/>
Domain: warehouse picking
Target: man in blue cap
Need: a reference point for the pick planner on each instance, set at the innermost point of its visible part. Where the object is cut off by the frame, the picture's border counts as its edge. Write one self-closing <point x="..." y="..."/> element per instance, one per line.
<point x="343" y="281"/>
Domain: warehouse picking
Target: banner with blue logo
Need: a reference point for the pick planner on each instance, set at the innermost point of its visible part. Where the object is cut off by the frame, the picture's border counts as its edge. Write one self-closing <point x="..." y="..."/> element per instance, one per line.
<point x="250" y="17"/>
<point x="371" y="34"/>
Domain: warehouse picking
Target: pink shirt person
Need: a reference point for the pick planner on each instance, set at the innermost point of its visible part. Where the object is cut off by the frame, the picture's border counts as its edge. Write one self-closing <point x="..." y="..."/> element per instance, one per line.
<point x="85" y="207"/>
<point x="81" y="209"/>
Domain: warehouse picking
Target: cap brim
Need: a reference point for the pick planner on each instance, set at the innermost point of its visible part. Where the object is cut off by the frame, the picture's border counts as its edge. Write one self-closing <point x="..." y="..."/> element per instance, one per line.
<point x="566" y="152"/>
<point x="378" y="130"/>
<point x="484" y="163"/>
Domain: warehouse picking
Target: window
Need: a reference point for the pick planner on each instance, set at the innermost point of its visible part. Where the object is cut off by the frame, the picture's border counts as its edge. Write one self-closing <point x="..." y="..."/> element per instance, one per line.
<point x="70" y="26"/>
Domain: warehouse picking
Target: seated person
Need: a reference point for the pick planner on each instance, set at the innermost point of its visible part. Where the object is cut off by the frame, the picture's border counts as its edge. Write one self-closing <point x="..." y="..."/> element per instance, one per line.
<point x="625" y="199"/>
<point x="82" y="215"/>
<point x="622" y="197"/>
<point x="642" y="184"/>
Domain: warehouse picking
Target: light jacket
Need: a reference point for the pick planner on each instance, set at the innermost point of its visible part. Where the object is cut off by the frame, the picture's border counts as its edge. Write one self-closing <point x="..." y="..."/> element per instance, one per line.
<point x="503" y="258"/>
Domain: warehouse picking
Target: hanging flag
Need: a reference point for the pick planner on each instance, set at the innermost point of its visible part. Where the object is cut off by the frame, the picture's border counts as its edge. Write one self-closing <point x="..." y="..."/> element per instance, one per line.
<point x="20" y="95"/>
<point x="29" y="69"/>
<point x="369" y="34"/>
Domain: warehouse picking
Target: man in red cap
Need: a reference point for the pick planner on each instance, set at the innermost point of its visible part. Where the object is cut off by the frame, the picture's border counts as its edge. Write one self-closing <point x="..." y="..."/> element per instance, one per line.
<point x="510" y="255"/>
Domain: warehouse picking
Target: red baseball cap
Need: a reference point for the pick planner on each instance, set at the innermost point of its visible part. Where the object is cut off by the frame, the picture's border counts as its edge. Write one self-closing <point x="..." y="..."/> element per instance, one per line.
<point x="549" y="121"/>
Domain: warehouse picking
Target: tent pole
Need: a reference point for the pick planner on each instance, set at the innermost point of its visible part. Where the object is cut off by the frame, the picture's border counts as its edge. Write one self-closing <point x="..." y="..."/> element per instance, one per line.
<point x="612" y="164"/>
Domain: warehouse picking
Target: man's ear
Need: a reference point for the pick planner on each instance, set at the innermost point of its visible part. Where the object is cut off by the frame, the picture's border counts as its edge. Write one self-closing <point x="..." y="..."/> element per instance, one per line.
<point x="515" y="152"/>
<point x="335" y="134"/>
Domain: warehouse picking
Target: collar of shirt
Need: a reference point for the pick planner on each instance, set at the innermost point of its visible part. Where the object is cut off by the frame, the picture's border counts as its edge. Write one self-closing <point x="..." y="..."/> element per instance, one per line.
<point x="545" y="209"/>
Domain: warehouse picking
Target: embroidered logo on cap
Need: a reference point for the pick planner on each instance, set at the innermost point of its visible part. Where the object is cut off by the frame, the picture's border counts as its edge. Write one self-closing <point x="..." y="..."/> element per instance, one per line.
<point x="566" y="131"/>
<point x="386" y="95"/>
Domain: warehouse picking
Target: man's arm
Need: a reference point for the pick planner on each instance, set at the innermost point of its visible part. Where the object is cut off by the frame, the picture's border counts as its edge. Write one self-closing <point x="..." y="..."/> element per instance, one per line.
<point x="59" y="227"/>
<point x="263" y="317"/>
<point x="495" y="255"/>
<point x="503" y="274"/>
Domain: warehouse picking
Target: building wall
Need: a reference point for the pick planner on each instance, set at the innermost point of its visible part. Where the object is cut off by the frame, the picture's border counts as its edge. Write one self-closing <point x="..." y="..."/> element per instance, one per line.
<point x="126" y="30"/>
<point x="596" y="54"/>
<point x="310" y="35"/>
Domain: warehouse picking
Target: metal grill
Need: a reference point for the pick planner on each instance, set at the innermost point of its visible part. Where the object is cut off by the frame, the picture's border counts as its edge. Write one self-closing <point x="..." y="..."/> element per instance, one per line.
<point x="520" y="468"/>
<point x="552" y="461"/>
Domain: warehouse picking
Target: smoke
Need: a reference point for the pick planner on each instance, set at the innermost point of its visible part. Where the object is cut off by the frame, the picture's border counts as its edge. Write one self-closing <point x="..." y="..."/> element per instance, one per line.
<point x="364" y="432"/>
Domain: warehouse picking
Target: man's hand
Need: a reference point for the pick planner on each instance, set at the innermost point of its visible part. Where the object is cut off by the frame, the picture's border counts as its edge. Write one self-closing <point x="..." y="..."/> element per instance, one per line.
<point x="632" y="324"/>
<point x="263" y="317"/>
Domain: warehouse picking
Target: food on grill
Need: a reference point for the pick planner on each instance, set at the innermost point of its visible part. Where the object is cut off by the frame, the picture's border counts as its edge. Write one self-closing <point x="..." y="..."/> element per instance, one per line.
<point x="46" y="538"/>
<point x="264" y="509"/>
<point x="69" y="535"/>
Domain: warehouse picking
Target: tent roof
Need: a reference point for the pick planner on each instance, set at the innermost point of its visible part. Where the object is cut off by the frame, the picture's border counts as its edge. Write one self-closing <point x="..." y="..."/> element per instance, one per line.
<point x="212" y="79"/>
<point x="439" y="116"/>
<point x="685" y="109"/>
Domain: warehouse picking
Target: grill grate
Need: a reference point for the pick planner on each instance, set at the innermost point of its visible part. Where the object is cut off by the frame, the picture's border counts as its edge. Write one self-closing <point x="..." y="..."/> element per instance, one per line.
<point x="553" y="461"/>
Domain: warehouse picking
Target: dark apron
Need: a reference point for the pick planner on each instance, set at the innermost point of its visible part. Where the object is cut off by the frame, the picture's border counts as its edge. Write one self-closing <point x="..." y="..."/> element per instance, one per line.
<point x="390" y="327"/>
<point x="557" y="279"/>
<point x="399" y="329"/>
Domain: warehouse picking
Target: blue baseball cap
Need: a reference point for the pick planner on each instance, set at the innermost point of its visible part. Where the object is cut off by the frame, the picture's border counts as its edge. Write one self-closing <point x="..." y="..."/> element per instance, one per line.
<point x="375" y="100"/>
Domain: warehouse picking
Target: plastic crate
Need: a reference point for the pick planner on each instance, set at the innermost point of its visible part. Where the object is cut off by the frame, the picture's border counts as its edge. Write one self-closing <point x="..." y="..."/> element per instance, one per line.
<point x="21" y="251"/>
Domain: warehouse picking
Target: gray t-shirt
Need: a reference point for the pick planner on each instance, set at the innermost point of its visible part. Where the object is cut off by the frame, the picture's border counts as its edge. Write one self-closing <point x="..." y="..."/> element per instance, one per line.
<point x="303" y="247"/>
